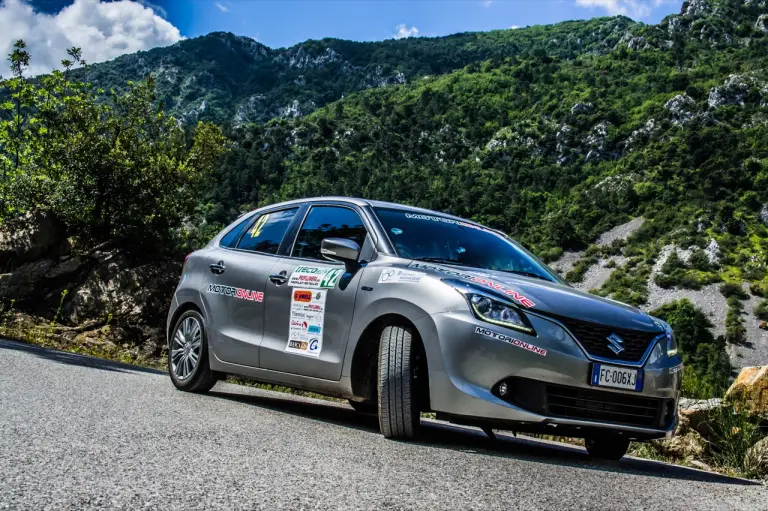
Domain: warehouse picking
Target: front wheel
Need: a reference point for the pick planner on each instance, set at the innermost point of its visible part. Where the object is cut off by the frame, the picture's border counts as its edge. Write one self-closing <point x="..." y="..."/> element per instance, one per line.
<point x="398" y="396"/>
<point x="607" y="448"/>
<point x="188" y="355"/>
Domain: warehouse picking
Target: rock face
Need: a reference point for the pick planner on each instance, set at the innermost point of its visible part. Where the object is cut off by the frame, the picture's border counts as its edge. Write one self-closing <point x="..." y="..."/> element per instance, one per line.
<point x="97" y="287"/>
<point x="756" y="460"/>
<point x="30" y="237"/>
<point x="681" y="108"/>
<point x="751" y="389"/>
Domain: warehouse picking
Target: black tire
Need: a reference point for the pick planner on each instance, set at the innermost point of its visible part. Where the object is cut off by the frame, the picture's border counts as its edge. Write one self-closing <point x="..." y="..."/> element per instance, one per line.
<point x="609" y="448"/>
<point x="364" y="406"/>
<point x="398" y="403"/>
<point x="201" y="378"/>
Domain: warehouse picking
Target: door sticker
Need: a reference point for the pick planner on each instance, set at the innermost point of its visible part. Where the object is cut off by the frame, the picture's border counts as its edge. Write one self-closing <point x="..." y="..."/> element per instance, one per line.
<point x="305" y="334"/>
<point x="400" y="276"/>
<point x="314" y="277"/>
<point x="236" y="292"/>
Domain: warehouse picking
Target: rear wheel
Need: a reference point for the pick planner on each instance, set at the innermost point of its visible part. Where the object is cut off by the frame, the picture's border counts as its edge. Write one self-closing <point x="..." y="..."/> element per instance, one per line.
<point x="398" y="396"/>
<point x="607" y="448"/>
<point x="188" y="355"/>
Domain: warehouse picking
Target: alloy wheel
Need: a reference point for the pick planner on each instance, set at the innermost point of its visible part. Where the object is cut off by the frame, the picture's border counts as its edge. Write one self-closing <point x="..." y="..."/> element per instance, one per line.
<point x="185" y="349"/>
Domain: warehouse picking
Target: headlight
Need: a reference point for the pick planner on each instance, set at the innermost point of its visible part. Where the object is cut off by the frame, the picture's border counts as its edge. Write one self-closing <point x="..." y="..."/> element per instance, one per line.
<point x="498" y="312"/>
<point x="671" y="343"/>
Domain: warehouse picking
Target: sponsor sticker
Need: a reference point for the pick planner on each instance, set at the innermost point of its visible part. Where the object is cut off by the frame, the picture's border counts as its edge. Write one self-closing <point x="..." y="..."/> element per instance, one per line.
<point x="522" y="300"/>
<point x="305" y="333"/>
<point x="236" y="292"/>
<point x="314" y="277"/>
<point x="511" y="340"/>
<point x="400" y="276"/>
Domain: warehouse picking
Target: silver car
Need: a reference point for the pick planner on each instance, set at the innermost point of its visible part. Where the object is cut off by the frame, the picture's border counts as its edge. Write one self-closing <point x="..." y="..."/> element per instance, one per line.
<point x="403" y="310"/>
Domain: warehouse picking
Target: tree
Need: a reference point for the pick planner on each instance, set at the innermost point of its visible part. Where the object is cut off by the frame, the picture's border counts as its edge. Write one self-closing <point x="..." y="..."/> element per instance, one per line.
<point x="110" y="168"/>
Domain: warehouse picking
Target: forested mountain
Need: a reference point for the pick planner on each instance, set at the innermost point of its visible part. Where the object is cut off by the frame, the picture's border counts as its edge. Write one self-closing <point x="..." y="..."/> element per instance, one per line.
<point x="234" y="79"/>
<point x="672" y="125"/>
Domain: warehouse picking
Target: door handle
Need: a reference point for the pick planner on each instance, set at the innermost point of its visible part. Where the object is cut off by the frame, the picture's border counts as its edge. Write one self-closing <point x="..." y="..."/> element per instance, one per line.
<point x="218" y="268"/>
<point x="279" y="278"/>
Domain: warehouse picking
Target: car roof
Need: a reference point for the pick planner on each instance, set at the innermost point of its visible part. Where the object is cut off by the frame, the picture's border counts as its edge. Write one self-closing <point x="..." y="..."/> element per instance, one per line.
<point x="375" y="204"/>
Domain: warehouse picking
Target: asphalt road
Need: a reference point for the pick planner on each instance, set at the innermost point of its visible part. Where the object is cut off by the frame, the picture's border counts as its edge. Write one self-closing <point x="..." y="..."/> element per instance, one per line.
<point x="78" y="432"/>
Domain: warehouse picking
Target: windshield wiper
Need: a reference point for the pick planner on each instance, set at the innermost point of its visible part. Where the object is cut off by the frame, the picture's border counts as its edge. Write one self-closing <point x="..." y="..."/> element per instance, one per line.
<point x="527" y="274"/>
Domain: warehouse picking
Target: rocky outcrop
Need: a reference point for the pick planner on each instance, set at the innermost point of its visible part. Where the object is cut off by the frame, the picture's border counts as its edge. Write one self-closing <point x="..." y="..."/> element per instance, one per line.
<point x="681" y="109"/>
<point x="756" y="460"/>
<point x="751" y="390"/>
<point x="762" y="23"/>
<point x="85" y="289"/>
<point x="30" y="237"/>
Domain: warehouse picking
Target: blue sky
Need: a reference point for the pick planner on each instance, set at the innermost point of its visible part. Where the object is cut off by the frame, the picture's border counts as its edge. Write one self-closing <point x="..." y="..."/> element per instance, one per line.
<point x="279" y="23"/>
<point x="106" y="29"/>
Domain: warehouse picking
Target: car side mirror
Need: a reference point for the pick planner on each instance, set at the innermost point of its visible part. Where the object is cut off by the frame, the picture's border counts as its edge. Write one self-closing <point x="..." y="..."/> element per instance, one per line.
<point x="341" y="250"/>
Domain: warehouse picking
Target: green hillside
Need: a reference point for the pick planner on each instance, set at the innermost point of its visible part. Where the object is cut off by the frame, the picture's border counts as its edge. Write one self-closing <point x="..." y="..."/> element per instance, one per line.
<point x="552" y="150"/>
<point x="233" y="79"/>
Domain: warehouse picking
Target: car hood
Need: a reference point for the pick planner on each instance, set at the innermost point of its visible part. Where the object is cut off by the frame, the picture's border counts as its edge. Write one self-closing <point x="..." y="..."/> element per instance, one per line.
<point x="548" y="298"/>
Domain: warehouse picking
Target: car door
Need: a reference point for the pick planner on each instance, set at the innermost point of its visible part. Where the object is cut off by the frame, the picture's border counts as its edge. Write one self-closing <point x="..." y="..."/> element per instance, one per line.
<point x="309" y="300"/>
<point x="235" y="286"/>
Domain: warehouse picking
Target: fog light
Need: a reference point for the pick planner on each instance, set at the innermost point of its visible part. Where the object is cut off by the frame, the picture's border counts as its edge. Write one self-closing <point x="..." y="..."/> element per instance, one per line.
<point x="503" y="389"/>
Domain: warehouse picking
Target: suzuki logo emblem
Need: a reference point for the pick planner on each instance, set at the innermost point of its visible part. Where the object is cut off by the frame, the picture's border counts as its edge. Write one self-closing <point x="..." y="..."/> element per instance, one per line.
<point x="615" y="343"/>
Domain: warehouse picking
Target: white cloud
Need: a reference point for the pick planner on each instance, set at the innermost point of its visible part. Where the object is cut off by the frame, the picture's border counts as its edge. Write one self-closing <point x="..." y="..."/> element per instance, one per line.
<point x="403" y="31"/>
<point x="514" y="27"/>
<point x="632" y="8"/>
<point x="104" y="30"/>
<point x="221" y="7"/>
<point x="487" y="3"/>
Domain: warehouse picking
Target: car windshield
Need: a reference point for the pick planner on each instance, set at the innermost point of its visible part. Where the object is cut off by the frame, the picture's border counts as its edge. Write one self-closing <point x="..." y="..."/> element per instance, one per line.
<point x="446" y="240"/>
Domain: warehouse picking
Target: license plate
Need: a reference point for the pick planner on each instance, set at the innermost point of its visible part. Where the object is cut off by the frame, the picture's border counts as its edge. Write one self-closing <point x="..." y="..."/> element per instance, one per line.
<point x="617" y="377"/>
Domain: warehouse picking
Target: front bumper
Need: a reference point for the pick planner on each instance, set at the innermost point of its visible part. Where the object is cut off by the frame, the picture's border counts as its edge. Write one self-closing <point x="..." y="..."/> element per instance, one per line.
<point x="465" y="377"/>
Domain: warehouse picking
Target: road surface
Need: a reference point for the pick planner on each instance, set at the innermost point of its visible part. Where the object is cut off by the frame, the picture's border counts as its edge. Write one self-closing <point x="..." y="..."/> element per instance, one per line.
<point x="78" y="432"/>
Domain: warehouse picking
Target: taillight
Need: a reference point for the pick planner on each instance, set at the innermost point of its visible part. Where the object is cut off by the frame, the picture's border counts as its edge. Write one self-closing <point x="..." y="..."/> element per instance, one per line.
<point x="187" y="258"/>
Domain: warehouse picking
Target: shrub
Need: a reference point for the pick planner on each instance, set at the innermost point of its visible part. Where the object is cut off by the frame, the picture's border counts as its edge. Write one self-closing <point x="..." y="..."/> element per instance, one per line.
<point x="761" y="311"/>
<point x="735" y="332"/>
<point x="580" y="268"/>
<point x="731" y="289"/>
<point x="707" y="367"/>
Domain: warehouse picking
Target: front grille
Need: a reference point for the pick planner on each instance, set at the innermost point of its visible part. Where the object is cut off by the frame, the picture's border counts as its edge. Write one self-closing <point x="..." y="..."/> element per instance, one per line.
<point x="593" y="337"/>
<point x="588" y="404"/>
<point x="595" y="405"/>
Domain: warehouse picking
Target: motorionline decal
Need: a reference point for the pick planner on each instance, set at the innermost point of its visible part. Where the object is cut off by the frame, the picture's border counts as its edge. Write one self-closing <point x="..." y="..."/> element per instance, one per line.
<point x="511" y="340"/>
<point x="236" y="292"/>
<point x="522" y="300"/>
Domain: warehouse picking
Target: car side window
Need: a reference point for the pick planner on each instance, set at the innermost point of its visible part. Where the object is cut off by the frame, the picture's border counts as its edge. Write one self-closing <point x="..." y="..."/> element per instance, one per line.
<point x="230" y="239"/>
<point x="267" y="232"/>
<point x="327" y="222"/>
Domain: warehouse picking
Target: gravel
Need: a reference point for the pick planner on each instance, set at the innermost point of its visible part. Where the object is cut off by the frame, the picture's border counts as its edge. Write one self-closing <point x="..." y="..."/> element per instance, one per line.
<point x="83" y="433"/>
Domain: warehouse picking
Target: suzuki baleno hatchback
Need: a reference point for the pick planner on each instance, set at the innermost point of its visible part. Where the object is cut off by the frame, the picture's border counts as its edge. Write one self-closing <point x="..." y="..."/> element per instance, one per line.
<point x="404" y="310"/>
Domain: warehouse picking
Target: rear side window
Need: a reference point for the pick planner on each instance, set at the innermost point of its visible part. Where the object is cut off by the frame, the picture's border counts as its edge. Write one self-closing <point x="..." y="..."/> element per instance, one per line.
<point x="230" y="239"/>
<point x="327" y="222"/>
<point x="266" y="233"/>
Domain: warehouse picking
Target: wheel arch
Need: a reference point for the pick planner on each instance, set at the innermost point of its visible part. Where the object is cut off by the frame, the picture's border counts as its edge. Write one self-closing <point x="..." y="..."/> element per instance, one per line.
<point x="181" y="309"/>
<point x="364" y="367"/>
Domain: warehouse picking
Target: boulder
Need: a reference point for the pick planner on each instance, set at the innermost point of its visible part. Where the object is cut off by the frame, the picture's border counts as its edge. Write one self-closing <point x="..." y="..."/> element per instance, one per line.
<point x="697" y="413"/>
<point x="22" y="283"/>
<point x="30" y="237"/>
<point x="751" y="389"/>
<point x="686" y="444"/>
<point x="756" y="459"/>
<point x="136" y="293"/>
